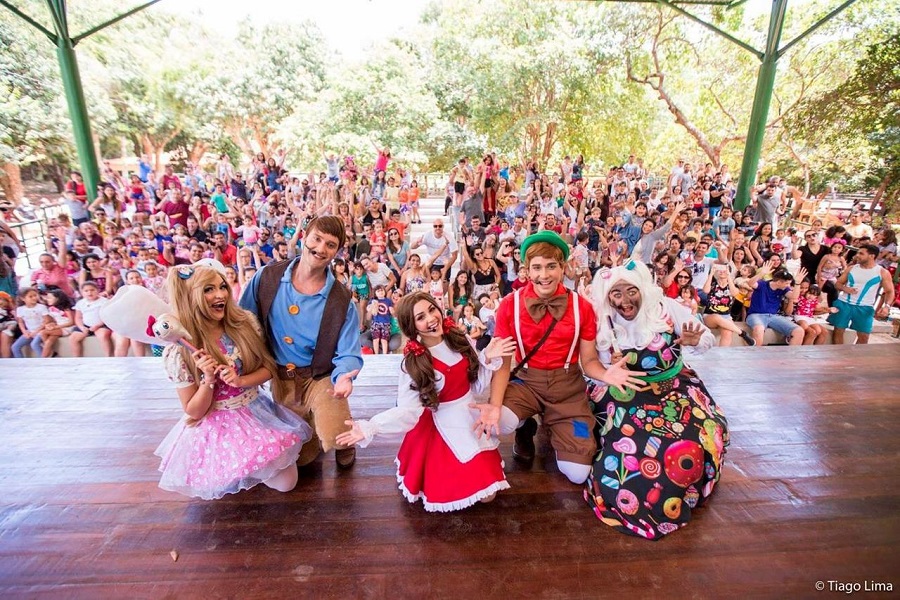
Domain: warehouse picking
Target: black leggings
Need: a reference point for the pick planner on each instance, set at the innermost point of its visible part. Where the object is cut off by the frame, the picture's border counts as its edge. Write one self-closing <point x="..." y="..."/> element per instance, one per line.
<point x="831" y="292"/>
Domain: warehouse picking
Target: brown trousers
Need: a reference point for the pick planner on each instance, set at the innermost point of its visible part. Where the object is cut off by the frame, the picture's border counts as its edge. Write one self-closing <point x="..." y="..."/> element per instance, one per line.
<point x="314" y="401"/>
<point x="560" y="397"/>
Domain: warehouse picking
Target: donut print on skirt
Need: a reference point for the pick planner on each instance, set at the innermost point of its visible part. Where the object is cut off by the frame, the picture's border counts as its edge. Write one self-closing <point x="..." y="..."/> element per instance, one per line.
<point x="661" y="449"/>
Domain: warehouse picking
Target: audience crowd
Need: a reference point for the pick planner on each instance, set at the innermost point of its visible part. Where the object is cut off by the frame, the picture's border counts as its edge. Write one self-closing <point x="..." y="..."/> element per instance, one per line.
<point x="725" y="265"/>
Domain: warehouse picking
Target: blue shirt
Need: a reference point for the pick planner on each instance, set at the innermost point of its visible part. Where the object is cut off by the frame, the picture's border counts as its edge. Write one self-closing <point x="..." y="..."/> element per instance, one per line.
<point x="629" y="232"/>
<point x="302" y="329"/>
<point x="144" y="170"/>
<point x="765" y="300"/>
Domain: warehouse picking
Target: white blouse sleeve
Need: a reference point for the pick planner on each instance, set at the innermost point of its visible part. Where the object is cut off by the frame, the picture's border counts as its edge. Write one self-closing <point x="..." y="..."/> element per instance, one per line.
<point x="395" y="421"/>
<point x="176" y="369"/>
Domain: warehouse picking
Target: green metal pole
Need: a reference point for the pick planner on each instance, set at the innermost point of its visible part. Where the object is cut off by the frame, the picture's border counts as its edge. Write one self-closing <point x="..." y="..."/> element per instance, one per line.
<point x="81" y="123"/>
<point x="765" y="83"/>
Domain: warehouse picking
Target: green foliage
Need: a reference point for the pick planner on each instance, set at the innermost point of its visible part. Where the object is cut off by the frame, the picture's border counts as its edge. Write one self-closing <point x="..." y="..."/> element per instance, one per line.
<point x="526" y="79"/>
<point x="34" y="124"/>
<point x="864" y="107"/>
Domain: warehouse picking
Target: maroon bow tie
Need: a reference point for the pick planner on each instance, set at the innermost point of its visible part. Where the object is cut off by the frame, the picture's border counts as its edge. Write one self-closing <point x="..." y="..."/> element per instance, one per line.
<point x="538" y="307"/>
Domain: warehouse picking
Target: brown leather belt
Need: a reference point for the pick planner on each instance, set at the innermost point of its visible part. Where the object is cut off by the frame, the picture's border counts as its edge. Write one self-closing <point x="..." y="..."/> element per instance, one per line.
<point x="292" y="371"/>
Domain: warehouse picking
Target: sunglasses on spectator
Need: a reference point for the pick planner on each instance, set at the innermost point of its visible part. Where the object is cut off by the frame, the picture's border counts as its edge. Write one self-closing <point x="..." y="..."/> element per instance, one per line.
<point x="682" y="277"/>
<point x="438" y="226"/>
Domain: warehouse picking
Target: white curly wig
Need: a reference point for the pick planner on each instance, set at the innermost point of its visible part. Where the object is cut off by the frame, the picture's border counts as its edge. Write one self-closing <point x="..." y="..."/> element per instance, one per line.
<point x="651" y="319"/>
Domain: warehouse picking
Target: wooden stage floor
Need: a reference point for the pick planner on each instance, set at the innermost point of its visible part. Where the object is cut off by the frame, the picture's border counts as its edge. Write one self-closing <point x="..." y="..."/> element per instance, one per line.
<point x="810" y="492"/>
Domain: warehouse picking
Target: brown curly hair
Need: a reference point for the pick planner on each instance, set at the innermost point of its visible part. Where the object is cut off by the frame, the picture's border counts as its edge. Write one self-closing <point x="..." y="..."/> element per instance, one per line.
<point x="421" y="368"/>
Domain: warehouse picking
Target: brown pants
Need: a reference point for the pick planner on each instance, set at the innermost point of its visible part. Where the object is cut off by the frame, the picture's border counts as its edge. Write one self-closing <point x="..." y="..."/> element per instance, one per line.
<point x="314" y="401"/>
<point x="560" y="397"/>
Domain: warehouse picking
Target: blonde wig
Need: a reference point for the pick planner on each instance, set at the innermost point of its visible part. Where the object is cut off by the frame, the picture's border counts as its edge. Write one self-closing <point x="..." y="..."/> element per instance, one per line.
<point x="186" y="287"/>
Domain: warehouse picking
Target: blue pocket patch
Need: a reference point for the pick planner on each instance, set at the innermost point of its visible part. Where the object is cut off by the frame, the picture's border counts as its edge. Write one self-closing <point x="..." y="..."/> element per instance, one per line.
<point x="581" y="429"/>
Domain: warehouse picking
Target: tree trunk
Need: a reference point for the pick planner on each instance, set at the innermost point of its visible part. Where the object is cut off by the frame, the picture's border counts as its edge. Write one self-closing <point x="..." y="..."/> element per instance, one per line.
<point x="150" y="150"/>
<point x="58" y="177"/>
<point x="11" y="182"/>
<point x="879" y="193"/>
<point x="806" y="179"/>
<point x="549" y="141"/>
<point x="197" y="151"/>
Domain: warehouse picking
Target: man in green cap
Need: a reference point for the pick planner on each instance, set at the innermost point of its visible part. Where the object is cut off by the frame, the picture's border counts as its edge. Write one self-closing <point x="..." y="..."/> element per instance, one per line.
<point x="554" y="329"/>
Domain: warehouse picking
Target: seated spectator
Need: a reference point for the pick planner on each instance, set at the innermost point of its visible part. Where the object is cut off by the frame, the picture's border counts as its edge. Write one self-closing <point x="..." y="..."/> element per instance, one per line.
<point x="88" y="322"/>
<point x="765" y="311"/>
<point x="30" y="316"/>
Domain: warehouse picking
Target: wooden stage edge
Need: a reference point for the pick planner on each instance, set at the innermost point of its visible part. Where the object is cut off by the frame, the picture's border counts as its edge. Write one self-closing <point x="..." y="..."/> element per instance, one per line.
<point x="810" y="493"/>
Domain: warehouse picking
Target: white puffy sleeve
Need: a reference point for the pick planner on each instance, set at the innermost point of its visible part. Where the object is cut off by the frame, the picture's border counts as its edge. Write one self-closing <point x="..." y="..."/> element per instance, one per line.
<point x="176" y="369"/>
<point x="486" y="370"/>
<point x="681" y="315"/>
<point x="395" y="421"/>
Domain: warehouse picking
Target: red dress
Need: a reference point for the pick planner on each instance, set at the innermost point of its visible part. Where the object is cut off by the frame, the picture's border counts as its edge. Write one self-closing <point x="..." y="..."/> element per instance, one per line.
<point x="428" y="469"/>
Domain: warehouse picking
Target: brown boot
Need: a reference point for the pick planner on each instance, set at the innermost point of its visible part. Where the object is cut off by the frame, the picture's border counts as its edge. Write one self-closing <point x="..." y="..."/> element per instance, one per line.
<point x="523" y="449"/>
<point x="346" y="457"/>
<point x="309" y="452"/>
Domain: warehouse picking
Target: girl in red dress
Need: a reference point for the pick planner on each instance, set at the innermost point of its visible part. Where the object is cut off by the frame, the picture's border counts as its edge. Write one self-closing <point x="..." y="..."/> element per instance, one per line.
<point x="441" y="461"/>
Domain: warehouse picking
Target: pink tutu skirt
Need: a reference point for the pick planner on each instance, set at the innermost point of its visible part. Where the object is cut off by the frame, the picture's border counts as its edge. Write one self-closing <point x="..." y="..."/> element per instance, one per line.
<point x="231" y="450"/>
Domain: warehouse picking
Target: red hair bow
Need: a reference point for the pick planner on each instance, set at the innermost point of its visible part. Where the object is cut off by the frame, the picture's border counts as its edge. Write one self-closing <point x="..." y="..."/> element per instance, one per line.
<point x="414" y="347"/>
<point x="150" y="322"/>
<point x="449" y="324"/>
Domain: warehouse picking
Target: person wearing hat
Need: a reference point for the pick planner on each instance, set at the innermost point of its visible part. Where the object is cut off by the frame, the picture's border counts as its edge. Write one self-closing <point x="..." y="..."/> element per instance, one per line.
<point x="662" y="444"/>
<point x="554" y="330"/>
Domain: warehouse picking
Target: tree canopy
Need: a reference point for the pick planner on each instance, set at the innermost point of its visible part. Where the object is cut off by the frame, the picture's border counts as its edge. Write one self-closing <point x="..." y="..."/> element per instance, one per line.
<point x="530" y="80"/>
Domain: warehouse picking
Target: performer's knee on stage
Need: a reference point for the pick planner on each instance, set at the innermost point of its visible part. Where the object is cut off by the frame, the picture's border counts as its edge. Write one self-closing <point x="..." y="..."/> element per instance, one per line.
<point x="329" y="413"/>
<point x="573" y="442"/>
<point x="509" y="421"/>
<point x="576" y="473"/>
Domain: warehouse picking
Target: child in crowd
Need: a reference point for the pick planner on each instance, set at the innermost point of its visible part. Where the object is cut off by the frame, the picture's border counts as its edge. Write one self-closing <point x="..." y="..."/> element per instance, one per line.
<point x="414" y="202"/>
<point x="153" y="280"/>
<point x="233" y="436"/>
<point x="471" y="324"/>
<point x="380" y="310"/>
<point x="437" y="287"/>
<point x="809" y="305"/>
<point x="378" y="241"/>
<point x="339" y="268"/>
<point x="182" y="242"/>
<point x="687" y="297"/>
<point x="361" y="288"/>
<point x="521" y="279"/>
<point x="88" y="322"/>
<point x="441" y="461"/>
<point x="59" y="322"/>
<point x="745" y="288"/>
<point x="30" y="316"/>
<point x="231" y="276"/>
<point x="403" y="198"/>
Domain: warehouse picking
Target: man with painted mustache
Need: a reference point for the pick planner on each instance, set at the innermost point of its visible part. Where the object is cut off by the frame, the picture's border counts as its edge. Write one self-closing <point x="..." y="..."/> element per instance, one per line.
<point x="312" y="329"/>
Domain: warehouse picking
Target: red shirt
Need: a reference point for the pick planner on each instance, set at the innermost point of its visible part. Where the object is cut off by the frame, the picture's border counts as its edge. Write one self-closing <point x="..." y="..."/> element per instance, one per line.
<point x="167" y="179"/>
<point x="554" y="351"/>
<point x="673" y="290"/>
<point x="55" y="276"/>
<point x="229" y="255"/>
<point x="400" y="227"/>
